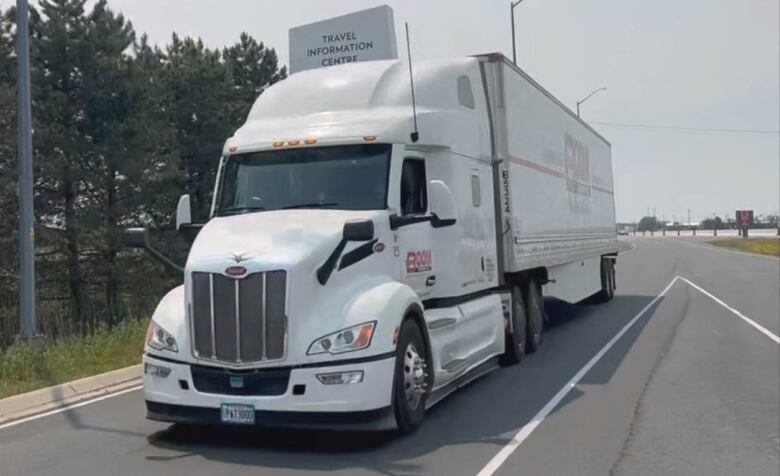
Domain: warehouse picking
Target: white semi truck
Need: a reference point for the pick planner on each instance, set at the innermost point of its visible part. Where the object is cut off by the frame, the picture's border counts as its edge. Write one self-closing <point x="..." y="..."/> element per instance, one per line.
<point x="353" y="273"/>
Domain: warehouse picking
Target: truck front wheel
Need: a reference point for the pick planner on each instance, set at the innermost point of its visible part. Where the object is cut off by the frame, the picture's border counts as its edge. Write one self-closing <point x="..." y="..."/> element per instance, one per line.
<point x="412" y="381"/>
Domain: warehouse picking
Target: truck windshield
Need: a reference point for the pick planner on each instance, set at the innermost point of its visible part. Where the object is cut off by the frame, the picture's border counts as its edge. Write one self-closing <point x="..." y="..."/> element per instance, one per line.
<point x="350" y="177"/>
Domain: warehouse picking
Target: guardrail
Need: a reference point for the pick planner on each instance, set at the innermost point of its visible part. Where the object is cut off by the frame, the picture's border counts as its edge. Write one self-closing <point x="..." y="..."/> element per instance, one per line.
<point x="752" y="233"/>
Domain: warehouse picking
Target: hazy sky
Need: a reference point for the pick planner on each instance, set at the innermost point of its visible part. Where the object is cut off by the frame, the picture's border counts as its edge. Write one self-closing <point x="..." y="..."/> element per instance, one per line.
<point x="691" y="63"/>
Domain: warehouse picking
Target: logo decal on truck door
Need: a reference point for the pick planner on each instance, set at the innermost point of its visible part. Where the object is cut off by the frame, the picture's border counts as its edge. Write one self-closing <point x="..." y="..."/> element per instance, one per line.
<point x="419" y="261"/>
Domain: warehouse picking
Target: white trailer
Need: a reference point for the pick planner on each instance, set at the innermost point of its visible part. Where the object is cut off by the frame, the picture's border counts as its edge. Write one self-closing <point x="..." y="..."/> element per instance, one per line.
<point x="352" y="274"/>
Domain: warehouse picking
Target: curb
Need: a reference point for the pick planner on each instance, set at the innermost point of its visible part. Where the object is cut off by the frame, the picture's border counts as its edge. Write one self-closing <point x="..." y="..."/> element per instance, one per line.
<point x="67" y="394"/>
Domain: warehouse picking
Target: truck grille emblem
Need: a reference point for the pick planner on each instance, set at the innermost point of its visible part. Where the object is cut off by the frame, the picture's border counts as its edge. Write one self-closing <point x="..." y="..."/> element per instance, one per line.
<point x="235" y="271"/>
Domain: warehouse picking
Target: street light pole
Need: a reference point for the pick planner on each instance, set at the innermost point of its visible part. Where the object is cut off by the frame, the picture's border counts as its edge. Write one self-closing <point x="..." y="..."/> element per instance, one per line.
<point x="26" y="225"/>
<point x="588" y="97"/>
<point x="512" y="15"/>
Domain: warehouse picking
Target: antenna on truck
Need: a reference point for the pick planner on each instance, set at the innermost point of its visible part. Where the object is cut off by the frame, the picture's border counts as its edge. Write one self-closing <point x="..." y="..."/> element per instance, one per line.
<point x="415" y="136"/>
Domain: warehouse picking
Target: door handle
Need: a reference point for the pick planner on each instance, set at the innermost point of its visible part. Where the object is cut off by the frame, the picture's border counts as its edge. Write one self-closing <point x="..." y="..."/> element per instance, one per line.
<point x="430" y="281"/>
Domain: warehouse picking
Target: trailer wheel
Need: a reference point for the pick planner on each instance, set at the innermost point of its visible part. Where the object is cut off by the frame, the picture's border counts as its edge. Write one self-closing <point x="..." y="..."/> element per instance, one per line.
<point x="535" y="303"/>
<point x="607" y="280"/>
<point x="612" y="278"/>
<point x="515" y="340"/>
<point x="412" y="380"/>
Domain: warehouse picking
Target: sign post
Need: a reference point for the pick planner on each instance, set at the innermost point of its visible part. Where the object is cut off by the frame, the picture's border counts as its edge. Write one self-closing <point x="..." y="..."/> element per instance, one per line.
<point x="744" y="221"/>
<point x="367" y="35"/>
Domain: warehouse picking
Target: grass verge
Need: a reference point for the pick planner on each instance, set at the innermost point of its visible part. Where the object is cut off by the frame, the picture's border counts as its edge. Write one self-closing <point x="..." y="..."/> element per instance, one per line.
<point x="27" y="367"/>
<point x="761" y="246"/>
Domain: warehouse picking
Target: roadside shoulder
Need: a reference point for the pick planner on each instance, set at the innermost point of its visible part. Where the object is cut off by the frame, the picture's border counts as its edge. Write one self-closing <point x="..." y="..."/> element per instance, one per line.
<point x="66" y="394"/>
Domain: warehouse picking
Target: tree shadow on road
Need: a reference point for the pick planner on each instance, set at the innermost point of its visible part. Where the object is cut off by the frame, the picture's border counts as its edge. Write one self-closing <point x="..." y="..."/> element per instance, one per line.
<point x="484" y="415"/>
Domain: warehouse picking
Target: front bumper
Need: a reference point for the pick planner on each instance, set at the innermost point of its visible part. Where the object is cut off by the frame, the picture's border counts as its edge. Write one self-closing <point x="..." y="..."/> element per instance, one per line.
<point x="379" y="419"/>
<point x="306" y="402"/>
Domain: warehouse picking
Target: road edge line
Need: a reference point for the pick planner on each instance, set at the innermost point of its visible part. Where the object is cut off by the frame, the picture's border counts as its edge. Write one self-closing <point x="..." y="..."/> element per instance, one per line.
<point x="67" y="407"/>
<point x="495" y="463"/>
<point x="62" y="395"/>
<point x="734" y="311"/>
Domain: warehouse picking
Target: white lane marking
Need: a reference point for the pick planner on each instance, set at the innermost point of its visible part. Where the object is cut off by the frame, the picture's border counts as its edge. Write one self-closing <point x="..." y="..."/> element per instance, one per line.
<point x="750" y="321"/>
<point x="537" y="419"/>
<point x="69" y="407"/>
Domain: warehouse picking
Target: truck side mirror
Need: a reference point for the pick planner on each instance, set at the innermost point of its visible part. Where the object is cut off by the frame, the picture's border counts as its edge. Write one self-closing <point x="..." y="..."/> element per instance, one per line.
<point x="442" y="204"/>
<point x="361" y="230"/>
<point x="136" y="238"/>
<point x="183" y="211"/>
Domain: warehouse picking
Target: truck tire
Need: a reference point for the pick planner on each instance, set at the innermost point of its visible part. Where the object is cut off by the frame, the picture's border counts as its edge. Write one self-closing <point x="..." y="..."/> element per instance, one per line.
<point x="516" y="341"/>
<point x="535" y="314"/>
<point x="607" y="280"/>
<point x="412" y="379"/>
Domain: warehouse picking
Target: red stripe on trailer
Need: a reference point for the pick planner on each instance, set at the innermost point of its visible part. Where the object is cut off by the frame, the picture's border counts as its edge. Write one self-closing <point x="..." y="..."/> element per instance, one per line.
<point x="537" y="167"/>
<point x="548" y="171"/>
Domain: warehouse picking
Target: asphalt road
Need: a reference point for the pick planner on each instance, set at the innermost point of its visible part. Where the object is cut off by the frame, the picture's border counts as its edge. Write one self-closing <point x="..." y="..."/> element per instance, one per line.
<point x="690" y="388"/>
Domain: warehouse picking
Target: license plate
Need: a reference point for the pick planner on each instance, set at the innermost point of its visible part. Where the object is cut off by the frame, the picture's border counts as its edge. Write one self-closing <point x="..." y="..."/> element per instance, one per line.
<point x="237" y="414"/>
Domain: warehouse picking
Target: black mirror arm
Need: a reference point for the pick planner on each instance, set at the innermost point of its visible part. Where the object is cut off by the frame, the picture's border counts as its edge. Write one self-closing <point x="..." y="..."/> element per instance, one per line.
<point x="324" y="271"/>
<point x="162" y="258"/>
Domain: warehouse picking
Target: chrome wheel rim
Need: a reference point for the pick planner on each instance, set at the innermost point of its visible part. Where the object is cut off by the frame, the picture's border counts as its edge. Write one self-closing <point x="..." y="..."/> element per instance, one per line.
<point x="414" y="376"/>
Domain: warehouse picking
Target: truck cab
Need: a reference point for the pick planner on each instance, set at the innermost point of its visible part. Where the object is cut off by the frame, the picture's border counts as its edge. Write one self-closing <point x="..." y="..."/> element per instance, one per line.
<point x="349" y="275"/>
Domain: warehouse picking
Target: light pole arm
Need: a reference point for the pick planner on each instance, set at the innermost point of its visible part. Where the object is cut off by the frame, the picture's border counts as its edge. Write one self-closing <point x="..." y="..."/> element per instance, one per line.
<point x="588" y="97"/>
<point x="512" y="15"/>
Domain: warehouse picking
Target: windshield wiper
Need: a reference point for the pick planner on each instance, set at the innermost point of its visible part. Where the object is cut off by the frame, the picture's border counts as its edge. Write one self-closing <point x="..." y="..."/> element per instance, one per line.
<point x="311" y="205"/>
<point x="240" y="210"/>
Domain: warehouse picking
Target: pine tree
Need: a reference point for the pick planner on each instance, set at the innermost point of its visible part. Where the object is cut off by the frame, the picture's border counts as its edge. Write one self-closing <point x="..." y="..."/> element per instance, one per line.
<point x="198" y="94"/>
<point x="111" y="163"/>
<point x="58" y="49"/>
<point x="8" y="172"/>
<point x="252" y="68"/>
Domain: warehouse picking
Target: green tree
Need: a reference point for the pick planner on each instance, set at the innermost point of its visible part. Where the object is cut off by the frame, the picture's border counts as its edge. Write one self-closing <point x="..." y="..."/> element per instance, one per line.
<point x="198" y="92"/>
<point x="59" y="48"/>
<point x="648" y="224"/>
<point x="110" y="126"/>
<point x="715" y="223"/>
<point x="8" y="173"/>
<point x="252" y="68"/>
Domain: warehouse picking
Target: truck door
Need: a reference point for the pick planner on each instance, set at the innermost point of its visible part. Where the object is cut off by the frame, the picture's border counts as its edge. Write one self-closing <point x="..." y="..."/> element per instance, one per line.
<point x="413" y="228"/>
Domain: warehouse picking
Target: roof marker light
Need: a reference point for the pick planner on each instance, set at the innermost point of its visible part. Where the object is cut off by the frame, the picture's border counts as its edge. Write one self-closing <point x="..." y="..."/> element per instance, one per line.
<point x="310" y="141"/>
<point x="294" y="142"/>
<point x="369" y="138"/>
<point x="232" y="148"/>
<point x="278" y="143"/>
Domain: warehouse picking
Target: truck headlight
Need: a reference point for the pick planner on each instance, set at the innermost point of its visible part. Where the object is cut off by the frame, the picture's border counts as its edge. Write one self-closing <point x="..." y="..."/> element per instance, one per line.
<point x="160" y="339"/>
<point x="346" y="340"/>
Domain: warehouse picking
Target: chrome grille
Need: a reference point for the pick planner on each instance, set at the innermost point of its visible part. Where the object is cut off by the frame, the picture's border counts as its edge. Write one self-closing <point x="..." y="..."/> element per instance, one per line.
<point x="239" y="320"/>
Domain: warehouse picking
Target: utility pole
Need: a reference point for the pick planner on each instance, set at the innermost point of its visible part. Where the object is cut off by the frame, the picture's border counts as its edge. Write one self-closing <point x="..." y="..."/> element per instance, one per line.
<point x="512" y="15"/>
<point x="689" y="216"/>
<point x="26" y="224"/>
